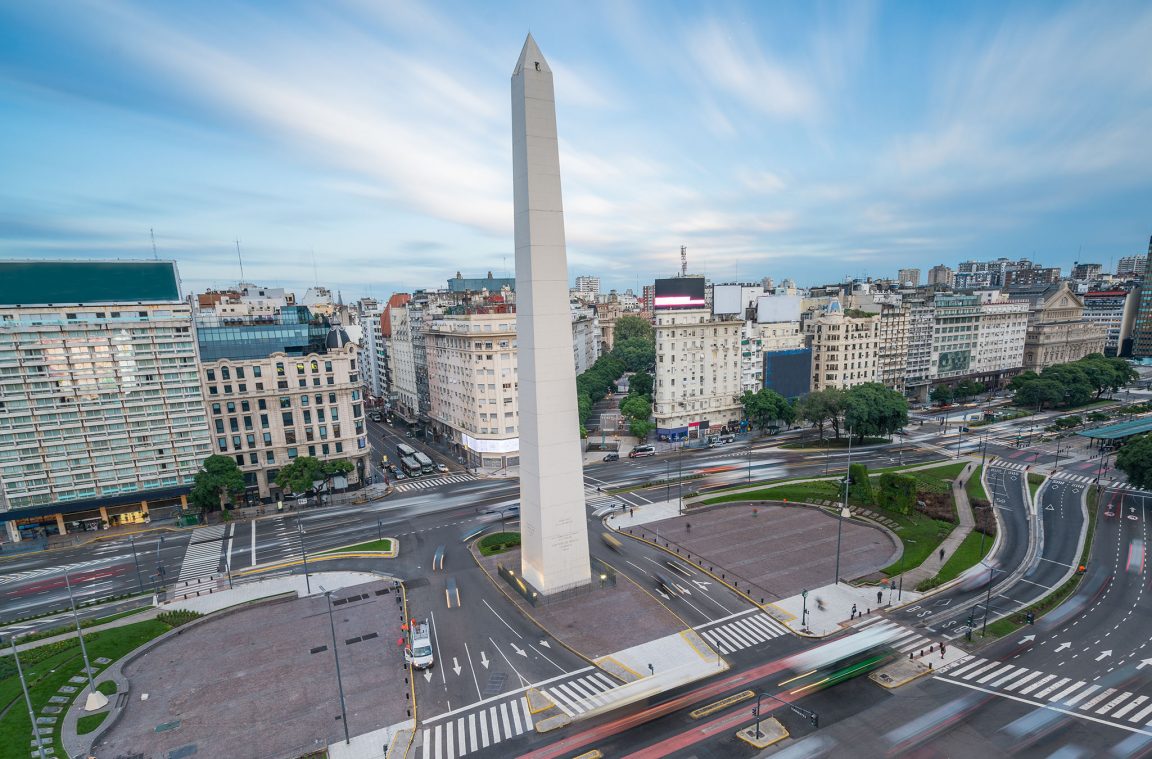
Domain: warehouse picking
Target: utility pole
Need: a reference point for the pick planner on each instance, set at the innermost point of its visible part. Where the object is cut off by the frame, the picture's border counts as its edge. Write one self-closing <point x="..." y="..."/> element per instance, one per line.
<point x="27" y="698"/>
<point x="339" y="680"/>
<point x="96" y="699"/>
<point x="304" y="553"/>
<point x="844" y="513"/>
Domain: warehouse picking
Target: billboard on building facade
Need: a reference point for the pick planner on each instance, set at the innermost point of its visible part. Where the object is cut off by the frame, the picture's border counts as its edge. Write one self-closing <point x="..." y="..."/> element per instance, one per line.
<point x="777" y="308"/>
<point x="727" y="299"/>
<point x="954" y="361"/>
<point x="680" y="292"/>
<point x="788" y="372"/>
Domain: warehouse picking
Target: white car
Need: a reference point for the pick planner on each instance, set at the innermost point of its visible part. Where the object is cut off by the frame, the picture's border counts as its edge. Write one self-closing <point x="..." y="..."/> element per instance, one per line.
<point x="441" y="468"/>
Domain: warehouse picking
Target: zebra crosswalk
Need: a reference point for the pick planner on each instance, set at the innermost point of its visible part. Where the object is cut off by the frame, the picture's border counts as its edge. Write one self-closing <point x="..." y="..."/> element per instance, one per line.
<point x="600" y="504"/>
<point x="202" y="557"/>
<point x="502" y="718"/>
<point x="1114" y="704"/>
<point x="903" y="640"/>
<point x="434" y="482"/>
<point x="33" y="573"/>
<point x="745" y="630"/>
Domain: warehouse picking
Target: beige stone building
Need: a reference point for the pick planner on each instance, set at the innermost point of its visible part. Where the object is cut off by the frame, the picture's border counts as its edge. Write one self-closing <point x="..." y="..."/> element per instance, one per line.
<point x="472" y="383"/>
<point x="277" y="391"/>
<point x="697" y="372"/>
<point x="1057" y="330"/>
<point x="845" y="348"/>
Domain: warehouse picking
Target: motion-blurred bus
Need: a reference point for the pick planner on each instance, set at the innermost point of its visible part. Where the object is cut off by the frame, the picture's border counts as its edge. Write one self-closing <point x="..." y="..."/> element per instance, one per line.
<point x="841" y="660"/>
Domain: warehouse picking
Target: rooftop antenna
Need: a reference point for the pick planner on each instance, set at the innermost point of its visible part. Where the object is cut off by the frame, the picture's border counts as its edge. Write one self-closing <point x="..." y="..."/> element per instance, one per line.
<point x="241" y="258"/>
<point x="155" y="255"/>
<point x="683" y="260"/>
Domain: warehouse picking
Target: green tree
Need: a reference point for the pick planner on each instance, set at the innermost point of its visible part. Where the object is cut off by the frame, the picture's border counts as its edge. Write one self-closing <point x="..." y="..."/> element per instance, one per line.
<point x="897" y="493"/>
<point x="1038" y="392"/>
<point x="872" y="409"/>
<point x="640" y="428"/>
<point x="301" y="475"/>
<point x="640" y="383"/>
<point x="637" y="410"/>
<point x="941" y="394"/>
<point x="635" y="354"/>
<point x="1076" y="386"/>
<point x="860" y="489"/>
<point x="633" y="327"/>
<point x="218" y="478"/>
<point x="822" y="407"/>
<point x="1135" y="460"/>
<point x="766" y="406"/>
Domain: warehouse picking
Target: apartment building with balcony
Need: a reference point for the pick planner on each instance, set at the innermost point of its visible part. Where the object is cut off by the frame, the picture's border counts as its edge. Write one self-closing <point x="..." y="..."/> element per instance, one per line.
<point x="698" y="379"/>
<point x="845" y="347"/>
<point x="102" y="416"/>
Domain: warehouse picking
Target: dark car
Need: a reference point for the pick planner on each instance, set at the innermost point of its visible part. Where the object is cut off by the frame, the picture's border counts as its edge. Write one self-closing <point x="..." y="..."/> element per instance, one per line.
<point x="612" y="457"/>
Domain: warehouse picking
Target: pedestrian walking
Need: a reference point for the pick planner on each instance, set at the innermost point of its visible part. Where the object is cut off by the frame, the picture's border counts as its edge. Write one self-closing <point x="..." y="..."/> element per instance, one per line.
<point x="941" y="554"/>
<point x="853" y="609"/>
<point x="941" y="650"/>
<point x="879" y="597"/>
<point x="688" y="527"/>
<point x="631" y="511"/>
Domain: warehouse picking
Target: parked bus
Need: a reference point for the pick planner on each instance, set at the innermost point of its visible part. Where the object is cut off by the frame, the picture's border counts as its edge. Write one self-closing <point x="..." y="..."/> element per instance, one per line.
<point x="405" y="450"/>
<point x="426" y="465"/>
<point x="410" y="465"/>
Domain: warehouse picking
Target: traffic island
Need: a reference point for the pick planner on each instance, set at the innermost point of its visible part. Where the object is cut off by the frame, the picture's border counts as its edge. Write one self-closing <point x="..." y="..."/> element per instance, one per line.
<point x="764" y="733"/>
<point x="898" y="673"/>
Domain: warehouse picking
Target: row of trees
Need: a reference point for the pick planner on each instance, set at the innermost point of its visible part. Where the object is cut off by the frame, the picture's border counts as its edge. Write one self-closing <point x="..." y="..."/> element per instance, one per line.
<point x="868" y="410"/>
<point x="220" y="479"/>
<point x="634" y="350"/>
<point x="1071" y="384"/>
<point x="963" y="390"/>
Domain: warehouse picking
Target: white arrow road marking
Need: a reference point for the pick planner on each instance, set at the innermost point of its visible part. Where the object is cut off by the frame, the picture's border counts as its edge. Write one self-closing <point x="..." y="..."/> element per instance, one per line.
<point x="484" y="659"/>
<point x="682" y="589"/>
<point x="428" y="675"/>
<point x="702" y="584"/>
<point x="456" y="666"/>
<point x="546" y="644"/>
<point x="1027" y="638"/>
<point x="1063" y="646"/>
<point x="1104" y="654"/>
<point x="1144" y="662"/>
<point x="663" y="595"/>
<point x="519" y="650"/>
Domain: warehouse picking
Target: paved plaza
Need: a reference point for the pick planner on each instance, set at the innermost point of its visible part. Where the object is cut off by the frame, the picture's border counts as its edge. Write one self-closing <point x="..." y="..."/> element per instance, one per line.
<point x="262" y="682"/>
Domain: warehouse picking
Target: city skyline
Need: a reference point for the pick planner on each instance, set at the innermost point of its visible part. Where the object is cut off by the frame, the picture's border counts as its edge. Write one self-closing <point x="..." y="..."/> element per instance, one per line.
<point x="809" y="144"/>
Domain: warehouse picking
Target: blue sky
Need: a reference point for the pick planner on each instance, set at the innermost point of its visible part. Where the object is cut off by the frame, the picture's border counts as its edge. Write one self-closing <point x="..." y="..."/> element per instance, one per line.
<point x="367" y="144"/>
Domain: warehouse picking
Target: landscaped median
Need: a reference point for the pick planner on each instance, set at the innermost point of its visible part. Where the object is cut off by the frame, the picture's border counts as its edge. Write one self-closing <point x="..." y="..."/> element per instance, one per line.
<point x="54" y="673"/>
<point x="385" y="548"/>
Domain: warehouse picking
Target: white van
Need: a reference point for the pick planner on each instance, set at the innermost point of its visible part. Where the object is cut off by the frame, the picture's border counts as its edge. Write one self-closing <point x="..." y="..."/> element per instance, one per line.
<point x="419" y="651"/>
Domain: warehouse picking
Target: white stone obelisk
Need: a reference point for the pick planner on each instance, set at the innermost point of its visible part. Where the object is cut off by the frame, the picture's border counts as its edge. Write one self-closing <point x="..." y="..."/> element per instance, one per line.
<point x="553" y="516"/>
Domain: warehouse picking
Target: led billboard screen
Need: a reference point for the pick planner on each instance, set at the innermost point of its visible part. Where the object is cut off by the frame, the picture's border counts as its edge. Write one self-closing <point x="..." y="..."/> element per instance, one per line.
<point x="680" y="292"/>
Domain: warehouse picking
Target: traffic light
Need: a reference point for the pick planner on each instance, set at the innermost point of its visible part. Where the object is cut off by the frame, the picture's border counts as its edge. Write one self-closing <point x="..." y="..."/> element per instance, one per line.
<point x="815" y="719"/>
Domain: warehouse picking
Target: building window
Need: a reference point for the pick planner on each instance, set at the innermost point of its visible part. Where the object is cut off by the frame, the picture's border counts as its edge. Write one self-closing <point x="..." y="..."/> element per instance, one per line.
<point x="292" y="453"/>
<point x="327" y="366"/>
<point x="251" y="440"/>
<point x="331" y="397"/>
<point x="247" y="422"/>
<point x="219" y="425"/>
<point x="211" y="375"/>
<point x="312" y="450"/>
<point x="270" y="457"/>
<point x="299" y="368"/>
<point x="233" y="424"/>
<point x="245" y="406"/>
<point x="307" y="416"/>
<point x="267" y="438"/>
<point x="253" y="458"/>
<point x="212" y="390"/>
<point x="224" y="373"/>
<point x="222" y="443"/>
<point x="303" y="400"/>
<point x="262" y="404"/>
<point x="331" y="381"/>
<point x="319" y="399"/>
<point x="236" y="442"/>
<point x="215" y="408"/>
<point x="231" y="407"/>
<point x="315" y="365"/>
<point x="240" y="375"/>
<point x="339" y="448"/>
<point x="324" y="449"/>
<point x="286" y="418"/>
<point x="285" y="401"/>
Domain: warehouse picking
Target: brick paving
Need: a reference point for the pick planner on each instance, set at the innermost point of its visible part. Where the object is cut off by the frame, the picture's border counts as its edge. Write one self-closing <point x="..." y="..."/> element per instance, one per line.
<point x="597" y="622"/>
<point x="247" y="685"/>
<point x="774" y="551"/>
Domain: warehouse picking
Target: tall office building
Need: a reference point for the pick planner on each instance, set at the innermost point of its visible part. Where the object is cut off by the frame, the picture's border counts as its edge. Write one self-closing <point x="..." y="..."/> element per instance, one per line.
<point x="1133" y="266"/>
<point x="102" y="417"/>
<point x="908" y="277"/>
<point x="588" y="286"/>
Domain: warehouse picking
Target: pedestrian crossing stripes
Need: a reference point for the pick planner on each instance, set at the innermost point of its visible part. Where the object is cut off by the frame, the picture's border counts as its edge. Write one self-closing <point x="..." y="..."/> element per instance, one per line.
<point x="1086" y="479"/>
<point x="434" y="482"/>
<point x="202" y="558"/>
<point x="903" y="640"/>
<point x="60" y="570"/>
<point x="602" y="504"/>
<point x="1002" y="464"/>
<point x="577" y="696"/>
<point x="742" y="632"/>
<point x="1066" y="693"/>
<point x="481" y="728"/>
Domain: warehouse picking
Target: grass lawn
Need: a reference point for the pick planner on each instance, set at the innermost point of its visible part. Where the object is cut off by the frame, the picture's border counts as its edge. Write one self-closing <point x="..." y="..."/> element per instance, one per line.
<point x="108" y="687"/>
<point x="921" y="537"/>
<point x="975" y="488"/>
<point x="938" y="479"/>
<point x="372" y="545"/>
<point x="1034" y="483"/>
<point x="89" y="722"/>
<point x="498" y="542"/>
<point x="818" y="490"/>
<point x="967" y="556"/>
<point x="48" y="667"/>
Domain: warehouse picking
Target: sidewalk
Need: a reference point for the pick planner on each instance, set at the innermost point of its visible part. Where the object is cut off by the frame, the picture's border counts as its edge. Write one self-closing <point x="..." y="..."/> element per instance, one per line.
<point x="838" y="601"/>
<point x="936" y="560"/>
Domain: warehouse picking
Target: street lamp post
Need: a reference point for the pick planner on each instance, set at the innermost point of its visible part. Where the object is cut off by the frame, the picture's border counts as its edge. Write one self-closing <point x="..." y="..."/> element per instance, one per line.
<point x="136" y="561"/>
<point x="959" y="437"/>
<point x="96" y="699"/>
<point x="304" y="553"/>
<point x="27" y="699"/>
<point x="844" y="512"/>
<point x="339" y="680"/>
<point x="1056" y="466"/>
<point x="988" y="601"/>
<point x="680" y="476"/>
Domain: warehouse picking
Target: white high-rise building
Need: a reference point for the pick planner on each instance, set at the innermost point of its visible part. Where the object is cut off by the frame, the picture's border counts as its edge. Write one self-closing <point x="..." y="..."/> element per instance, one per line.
<point x="698" y="376"/>
<point x="102" y="417"/>
<point x="845" y="348"/>
<point x="588" y="286"/>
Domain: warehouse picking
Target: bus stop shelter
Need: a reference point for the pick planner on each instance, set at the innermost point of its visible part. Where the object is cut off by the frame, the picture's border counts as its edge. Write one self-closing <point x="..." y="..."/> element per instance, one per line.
<point x="1115" y="434"/>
